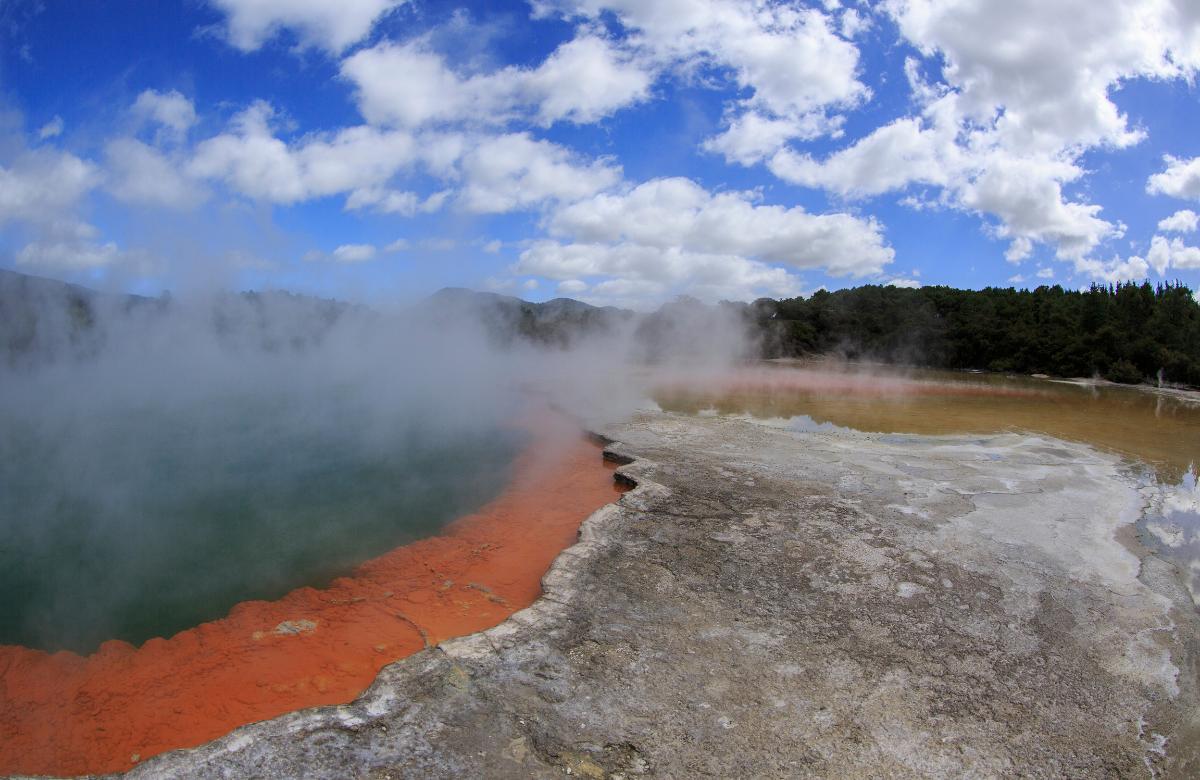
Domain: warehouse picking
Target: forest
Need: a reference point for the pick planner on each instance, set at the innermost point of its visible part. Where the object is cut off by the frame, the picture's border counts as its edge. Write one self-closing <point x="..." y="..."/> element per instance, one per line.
<point x="1125" y="333"/>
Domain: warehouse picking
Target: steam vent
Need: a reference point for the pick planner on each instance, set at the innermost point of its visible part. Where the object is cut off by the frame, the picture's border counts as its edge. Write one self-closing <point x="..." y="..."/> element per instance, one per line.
<point x="606" y="389"/>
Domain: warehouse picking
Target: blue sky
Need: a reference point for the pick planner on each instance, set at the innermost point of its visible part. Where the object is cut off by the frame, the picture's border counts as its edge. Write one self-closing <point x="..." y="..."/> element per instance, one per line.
<point x="611" y="150"/>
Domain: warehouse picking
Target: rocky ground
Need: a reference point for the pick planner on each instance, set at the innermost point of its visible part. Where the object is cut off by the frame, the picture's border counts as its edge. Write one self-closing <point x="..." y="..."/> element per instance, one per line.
<point x="769" y="603"/>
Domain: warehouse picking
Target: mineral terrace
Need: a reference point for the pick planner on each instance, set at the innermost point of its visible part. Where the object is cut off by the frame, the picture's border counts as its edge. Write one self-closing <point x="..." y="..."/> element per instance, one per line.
<point x="769" y="603"/>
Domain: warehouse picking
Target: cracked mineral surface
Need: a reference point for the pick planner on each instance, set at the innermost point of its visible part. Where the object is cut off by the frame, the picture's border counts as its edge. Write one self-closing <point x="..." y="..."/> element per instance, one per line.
<point x="778" y="603"/>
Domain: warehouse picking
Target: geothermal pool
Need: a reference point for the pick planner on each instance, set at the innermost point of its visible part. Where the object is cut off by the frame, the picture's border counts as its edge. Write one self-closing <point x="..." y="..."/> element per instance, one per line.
<point x="149" y="521"/>
<point x="178" y="572"/>
<point x="1158" y="433"/>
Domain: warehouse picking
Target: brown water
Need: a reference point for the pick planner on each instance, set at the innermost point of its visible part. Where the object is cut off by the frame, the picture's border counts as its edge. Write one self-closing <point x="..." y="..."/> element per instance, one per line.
<point x="1161" y="431"/>
<point x="1158" y="433"/>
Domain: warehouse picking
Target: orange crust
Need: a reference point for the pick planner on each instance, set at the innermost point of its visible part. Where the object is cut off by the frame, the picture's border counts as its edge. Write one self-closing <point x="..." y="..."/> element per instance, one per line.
<point x="63" y="714"/>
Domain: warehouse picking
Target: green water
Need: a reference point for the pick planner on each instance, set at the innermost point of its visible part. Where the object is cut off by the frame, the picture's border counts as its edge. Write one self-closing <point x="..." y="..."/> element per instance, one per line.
<point x="146" y="521"/>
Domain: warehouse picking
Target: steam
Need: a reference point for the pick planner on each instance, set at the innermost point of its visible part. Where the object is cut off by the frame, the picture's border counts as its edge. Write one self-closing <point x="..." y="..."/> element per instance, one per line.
<point x="118" y="414"/>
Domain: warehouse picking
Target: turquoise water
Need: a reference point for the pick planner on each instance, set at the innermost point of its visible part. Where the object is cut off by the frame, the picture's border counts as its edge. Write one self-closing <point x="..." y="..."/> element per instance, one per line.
<point x="148" y="520"/>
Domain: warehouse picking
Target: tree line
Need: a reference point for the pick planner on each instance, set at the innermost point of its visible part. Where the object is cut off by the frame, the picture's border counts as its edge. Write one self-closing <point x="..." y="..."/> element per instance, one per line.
<point x="1126" y="332"/>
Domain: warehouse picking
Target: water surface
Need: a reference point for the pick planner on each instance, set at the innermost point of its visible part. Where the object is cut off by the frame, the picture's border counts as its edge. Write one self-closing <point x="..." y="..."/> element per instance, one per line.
<point x="1160" y="431"/>
<point x="149" y="519"/>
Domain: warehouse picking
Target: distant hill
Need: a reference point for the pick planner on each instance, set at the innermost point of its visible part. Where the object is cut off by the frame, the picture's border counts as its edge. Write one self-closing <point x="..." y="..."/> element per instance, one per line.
<point x="45" y="319"/>
<point x="561" y="322"/>
<point x="1127" y="333"/>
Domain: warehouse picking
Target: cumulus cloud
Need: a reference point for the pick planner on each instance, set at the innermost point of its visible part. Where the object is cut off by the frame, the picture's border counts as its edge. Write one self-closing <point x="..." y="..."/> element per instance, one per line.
<point x="677" y="212"/>
<point x="891" y="157"/>
<point x="629" y="272"/>
<point x="332" y="25"/>
<point x="790" y="60"/>
<point x="1180" y="179"/>
<point x="582" y="81"/>
<point x="389" y="201"/>
<point x="1051" y="66"/>
<point x="672" y="235"/>
<point x="42" y="187"/>
<point x="170" y="110"/>
<point x="515" y="171"/>
<point x="752" y="135"/>
<point x="1172" y="253"/>
<point x="1115" y="270"/>
<point x="1026" y="91"/>
<point x="1185" y="221"/>
<point x="974" y="169"/>
<point x="251" y="160"/>
<point x="139" y="173"/>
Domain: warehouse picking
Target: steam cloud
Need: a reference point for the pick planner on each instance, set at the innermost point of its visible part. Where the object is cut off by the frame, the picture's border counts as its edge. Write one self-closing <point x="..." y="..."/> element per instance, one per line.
<point x="119" y="411"/>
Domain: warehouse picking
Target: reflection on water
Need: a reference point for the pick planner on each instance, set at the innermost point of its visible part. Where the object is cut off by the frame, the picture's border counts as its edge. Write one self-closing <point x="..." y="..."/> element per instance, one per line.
<point x="1160" y="431"/>
<point x="1173" y="523"/>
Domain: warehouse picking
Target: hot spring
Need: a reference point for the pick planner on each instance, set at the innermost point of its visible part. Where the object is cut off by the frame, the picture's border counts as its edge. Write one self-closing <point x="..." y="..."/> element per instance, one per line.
<point x="151" y="519"/>
<point x="205" y="526"/>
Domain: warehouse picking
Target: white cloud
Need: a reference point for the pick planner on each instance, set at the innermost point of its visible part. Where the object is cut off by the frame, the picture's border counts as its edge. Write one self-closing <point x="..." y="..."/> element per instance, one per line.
<point x="139" y="173"/>
<point x="388" y="201"/>
<point x="1184" y="221"/>
<point x="491" y="174"/>
<point x="65" y="256"/>
<point x="399" y="245"/>
<point x="634" y="271"/>
<point x="788" y="57"/>
<point x="171" y="110"/>
<point x="509" y="172"/>
<point x="43" y="186"/>
<point x="332" y="25"/>
<point x="677" y="212"/>
<point x="1051" y="65"/>
<point x="889" y="158"/>
<point x="671" y="235"/>
<point x="77" y="249"/>
<point x="753" y="136"/>
<point x="974" y="169"/>
<point x="51" y="129"/>
<point x="582" y="81"/>
<point x="1026" y="91"/>
<point x="252" y="161"/>
<point x="351" y="254"/>
<point x="354" y="253"/>
<point x="1045" y="273"/>
<point x="854" y="23"/>
<point x="1172" y="253"/>
<point x="1180" y="179"/>
<point x="790" y="60"/>
<point x="1115" y="270"/>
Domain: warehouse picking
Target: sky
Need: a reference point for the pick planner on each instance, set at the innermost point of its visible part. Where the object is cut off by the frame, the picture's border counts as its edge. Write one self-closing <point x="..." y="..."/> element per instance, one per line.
<point x="615" y="151"/>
